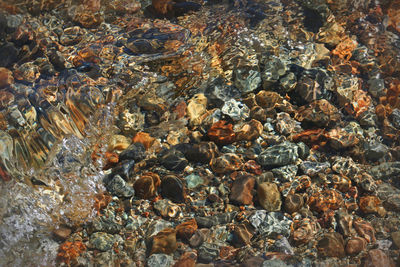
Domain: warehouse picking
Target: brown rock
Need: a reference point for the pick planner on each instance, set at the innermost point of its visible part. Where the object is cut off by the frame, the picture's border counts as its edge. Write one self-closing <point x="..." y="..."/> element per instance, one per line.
<point x="243" y="234"/>
<point x="144" y="138"/>
<point x="268" y="99"/>
<point x="228" y="162"/>
<point x="164" y="242"/>
<point x="377" y="258"/>
<point x="319" y="112"/>
<point x="6" y="99"/>
<point x="255" y="261"/>
<point x="396" y="238"/>
<point x="365" y="230"/>
<point x="62" y="232"/>
<point x="328" y="199"/>
<point x="269" y="196"/>
<point x="355" y="245"/>
<point x="248" y="131"/>
<point x="372" y="204"/>
<point x="6" y="77"/>
<point x="196" y="108"/>
<point x="221" y="133"/>
<point x="185" y="230"/>
<point x="293" y="202"/>
<point x="304" y="231"/>
<point x="198" y="238"/>
<point x="146" y="186"/>
<point x="242" y="190"/>
<point x="188" y="259"/>
<point x="331" y="245"/>
<point x="203" y="152"/>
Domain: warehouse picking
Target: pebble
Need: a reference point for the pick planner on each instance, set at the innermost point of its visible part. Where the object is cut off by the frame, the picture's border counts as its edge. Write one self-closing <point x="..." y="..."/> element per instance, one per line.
<point x="203" y="152"/>
<point x="226" y="163"/>
<point x="235" y="110"/>
<point x="208" y="222"/>
<point x="269" y="196"/>
<point x="102" y="241"/>
<point x="117" y="186"/>
<point x="355" y="245"/>
<point x="331" y="245"/>
<point x="146" y="186"/>
<point x="242" y="190"/>
<point x="278" y="155"/>
<point x="160" y="260"/>
<point x="172" y="188"/>
<point x="135" y="151"/>
<point x="375" y="258"/>
<point x="186" y="229"/>
<point x="242" y="235"/>
<point x="208" y="252"/>
<point x="293" y="203"/>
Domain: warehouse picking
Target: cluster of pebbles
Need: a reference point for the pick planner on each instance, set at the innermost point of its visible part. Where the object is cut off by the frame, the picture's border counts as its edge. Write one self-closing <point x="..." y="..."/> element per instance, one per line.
<point x="243" y="133"/>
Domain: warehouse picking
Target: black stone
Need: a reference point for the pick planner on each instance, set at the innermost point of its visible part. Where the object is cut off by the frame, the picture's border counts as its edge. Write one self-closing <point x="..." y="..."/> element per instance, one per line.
<point x="135" y="151"/>
<point x="202" y="152"/>
<point x="172" y="188"/>
<point x="173" y="160"/>
<point x="124" y="168"/>
<point x="8" y="54"/>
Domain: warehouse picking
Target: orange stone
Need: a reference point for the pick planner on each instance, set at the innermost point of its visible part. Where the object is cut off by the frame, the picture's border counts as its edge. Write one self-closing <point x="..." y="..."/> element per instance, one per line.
<point x="221" y="133"/>
<point x="146" y="186"/>
<point x="6" y="77"/>
<point x="164" y="242"/>
<point x="144" y="138"/>
<point x="185" y="230"/>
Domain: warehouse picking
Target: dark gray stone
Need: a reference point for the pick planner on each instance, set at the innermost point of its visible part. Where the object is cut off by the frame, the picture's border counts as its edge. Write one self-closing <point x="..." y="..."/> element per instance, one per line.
<point x="312" y="168"/>
<point x="386" y="170"/>
<point x="135" y="151"/>
<point x="208" y="252"/>
<point x="285" y="173"/>
<point x="8" y="54"/>
<point x="375" y="150"/>
<point x="207" y="222"/>
<point x="279" y="155"/>
<point x="117" y="186"/>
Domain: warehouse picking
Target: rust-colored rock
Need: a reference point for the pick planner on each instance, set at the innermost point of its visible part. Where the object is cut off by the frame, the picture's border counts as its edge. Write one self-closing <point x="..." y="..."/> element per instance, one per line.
<point x="331" y="245"/>
<point x="377" y="258"/>
<point x="248" y="131"/>
<point x="268" y="99"/>
<point x="325" y="200"/>
<point x="319" y="112"/>
<point x="6" y="77"/>
<point x="372" y="204"/>
<point x="146" y="186"/>
<point x="144" y="138"/>
<point x="188" y="259"/>
<point x="221" y="133"/>
<point x="185" y="230"/>
<point x="242" y="190"/>
<point x="253" y="167"/>
<point x="355" y="245"/>
<point x="365" y="230"/>
<point x="243" y="234"/>
<point x="69" y="251"/>
<point x="62" y="232"/>
<point x="164" y="242"/>
<point x="303" y="231"/>
<point x="228" y="162"/>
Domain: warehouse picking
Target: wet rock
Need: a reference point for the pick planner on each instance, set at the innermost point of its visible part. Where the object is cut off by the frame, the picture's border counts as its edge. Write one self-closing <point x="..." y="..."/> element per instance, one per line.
<point x="208" y="222"/>
<point x="371" y="204"/>
<point x="339" y="139"/>
<point x="377" y="257"/>
<point x="355" y="245"/>
<point x="156" y="226"/>
<point x="274" y="69"/>
<point x="218" y="92"/>
<point x="172" y="188"/>
<point x="228" y="162"/>
<point x="62" y="233"/>
<point x="293" y="203"/>
<point x="274" y="263"/>
<point x="255" y="261"/>
<point x="345" y="223"/>
<point x="221" y="133"/>
<point x="365" y="230"/>
<point x="117" y="186"/>
<point x="328" y="199"/>
<point x="279" y="155"/>
<point x="146" y="186"/>
<point x="167" y="209"/>
<point x="345" y="166"/>
<point x="198" y="238"/>
<point x="376" y="87"/>
<point x="208" y="252"/>
<point x="242" y="234"/>
<point x="312" y="168"/>
<point x="135" y="151"/>
<point x="242" y="190"/>
<point x="320" y="113"/>
<point x="269" y="196"/>
<point x="269" y="99"/>
<point x="197" y="106"/>
<point x="270" y="223"/>
<point x="144" y="138"/>
<point x="374" y="150"/>
<point x="303" y="150"/>
<point x="164" y="242"/>
<point x="130" y="121"/>
<point x="313" y="85"/>
<point x="247" y="80"/>
<point x="186" y="229"/>
<point x="203" y="152"/>
<point x="6" y="77"/>
<point x="193" y="180"/>
<point x="8" y="54"/>
<point x="396" y="238"/>
<point x="173" y="160"/>
<point x="248" y="131"/>
<point x="160" y="260"/>
<point x="124" y="169"/>
<point x="102" y="241"/>
<point x="286" y="125"/>
<point x="331" y="245"/>
<point x="285" y="173"/>
<point x="304" y="231"/>
<point x="235" y="110"/>
<point x="385" y="170"/>
<point x="107" y="223"/>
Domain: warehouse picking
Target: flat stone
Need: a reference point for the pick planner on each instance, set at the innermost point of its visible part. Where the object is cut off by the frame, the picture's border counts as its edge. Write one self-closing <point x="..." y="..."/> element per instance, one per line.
<point x="208" y="252"/>
<point x="208" y="222"/>
<point x="278" y="155"/>
<point x="331" y="245"/>
<point x="269" y="196"/>
<point x="242" y="190"/>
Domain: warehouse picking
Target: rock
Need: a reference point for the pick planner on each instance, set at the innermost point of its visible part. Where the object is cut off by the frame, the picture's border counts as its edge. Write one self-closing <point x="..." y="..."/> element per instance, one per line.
<point x="8" y="54"/>
<point x="6" y="98"/>
<point x="124" y="168"/>
<point x="167" y="209"/>
<point x="271" y="224"/>
<point x="345" y="166"/>
<point x="188" y="259"/>
<point x="194" y="180"/>
<point x="6" y="77"/>
<point x="285" y="173"/>
<point x="345" y="223"/>
<point x="269" y="99"/>
<point x="208" y="252"/>
<point x="274" y="69"/>
<point x="282" y="245"/>
<point x="328" y="199"/>
<point x="222" y="133"/>
<point x="102" y="241"/>
<point x="246" y="80"/>
<point x="172" y="188"/>
<point x="320" y="113"/>
<point x="146" y="186"/>
<point x="377" y="258"/>
<point x="371" y="204"/>
<point x="365" y="230"/>
<point x="355" y="245"/>
<point x="203" y="152"/>
<point x="135" y="151"/>
<point x="303" y="150"/>
<point x="198" y="238"/>
<point x="278" y="155"/>
<point x="218" y="92"/>
<point x="173" y="160"/>
<point x="304" y="231"/>
<point x="293" y="203"/>
<point x="331" y="245"/>
<point x="274" y="263"/>
<point x="160" y="260"/>
<point x="196" y="108"/>
<point x="286" y="125"/>
<point x="226" y="163"/>
<point x="376" y="87"/>
<point x="374" y="150"/>
<point x="186" y="229"/>
<point x="385" y="170"/>
<point x="241" y="192"/>
<point x="107" y="223"/>
<point x="395" y="118"/>
<point x="235" y="110"/>
<point x="312" y="168"/>
<point x="62" y="232"/>
<point x="396" y="238"/>
<point x="156" y="226"/>
<point x="208" y="222"/>
<point x="269" y="196"/>
<point x="242" y="234"/>
<point x="248" y="131"/>
<point x="144" y="138"/>
<point x="164" y="242"/>
<point x="117" y="186"/>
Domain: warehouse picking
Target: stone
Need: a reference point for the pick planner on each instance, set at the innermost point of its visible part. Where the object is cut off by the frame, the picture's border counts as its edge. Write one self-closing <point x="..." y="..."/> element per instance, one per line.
<point x="218" y="92"/>
<point x="208" y="252"/>
<point x="345" y="223"/>
<point x="203" y="152"/>
<point x="268" y="99"/>
<point x="173" y="188"/>
<point x="371" y="204"/>
<point x="164" y="242"/>
<point x="320" y="113"/>
<point x="160" y="260"/>
<point x="221" y="133"/>
<point x="374" y="150"/>
<point x="198" y="238"/>
<point x="6" y="98"/>
<point x="278" y="155"/>
<point x="328" y="199"/>
<point x="124" y="168"/>
<point x="156" y="226"/>
<point x="247" y="80"/>
<point x="8" y="54"/>
<point x="304" y="231"/>
<point x="186" y="229"/>
<point x="146" y="186"/>
<point x="376" y="87"/>
<point x="286" y="125"/>
<point x="167" y="209"/>
<point x="209" y="221"/>
<point x="173" y="160"/>
<point x="144" y="138"/>
<point x="254" y="261"/>
<point x="312" y="168"/>
<point x="274" y="263"/>
<point x="285" y="173"/>
<point x="242" y="190"/>
<point x="271" y="224"/>
<point x="226" y="163"/>
<point x="345" y="166"/>
<point x="269" y="196"/>
<point x="396" y="238"/>
<point x="242" y="234"/>
<point x="102" y="241"/>
<point x="235" y="110"/>
<point x="117" y="186"/>
<point x="274" y="68"/>
<point x="395" y="118"/>
<point x="355" y="245"/>
<point x="62" y="232"/>
<point x="248" y="131"/>
<point x="293" y="203"/>
<point x="193" y="180"/>
<point x="376" y="258"/>
<point x="135" y="151"/>
<point x="365" y="230"/>
<point x="196" y="107"/>
<point x="385" y="170"/>
<point x="107" y="223"/>
<point x="6" y="77"/>
<point x="188" y="259"/>
<point x="331" y="245"/>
